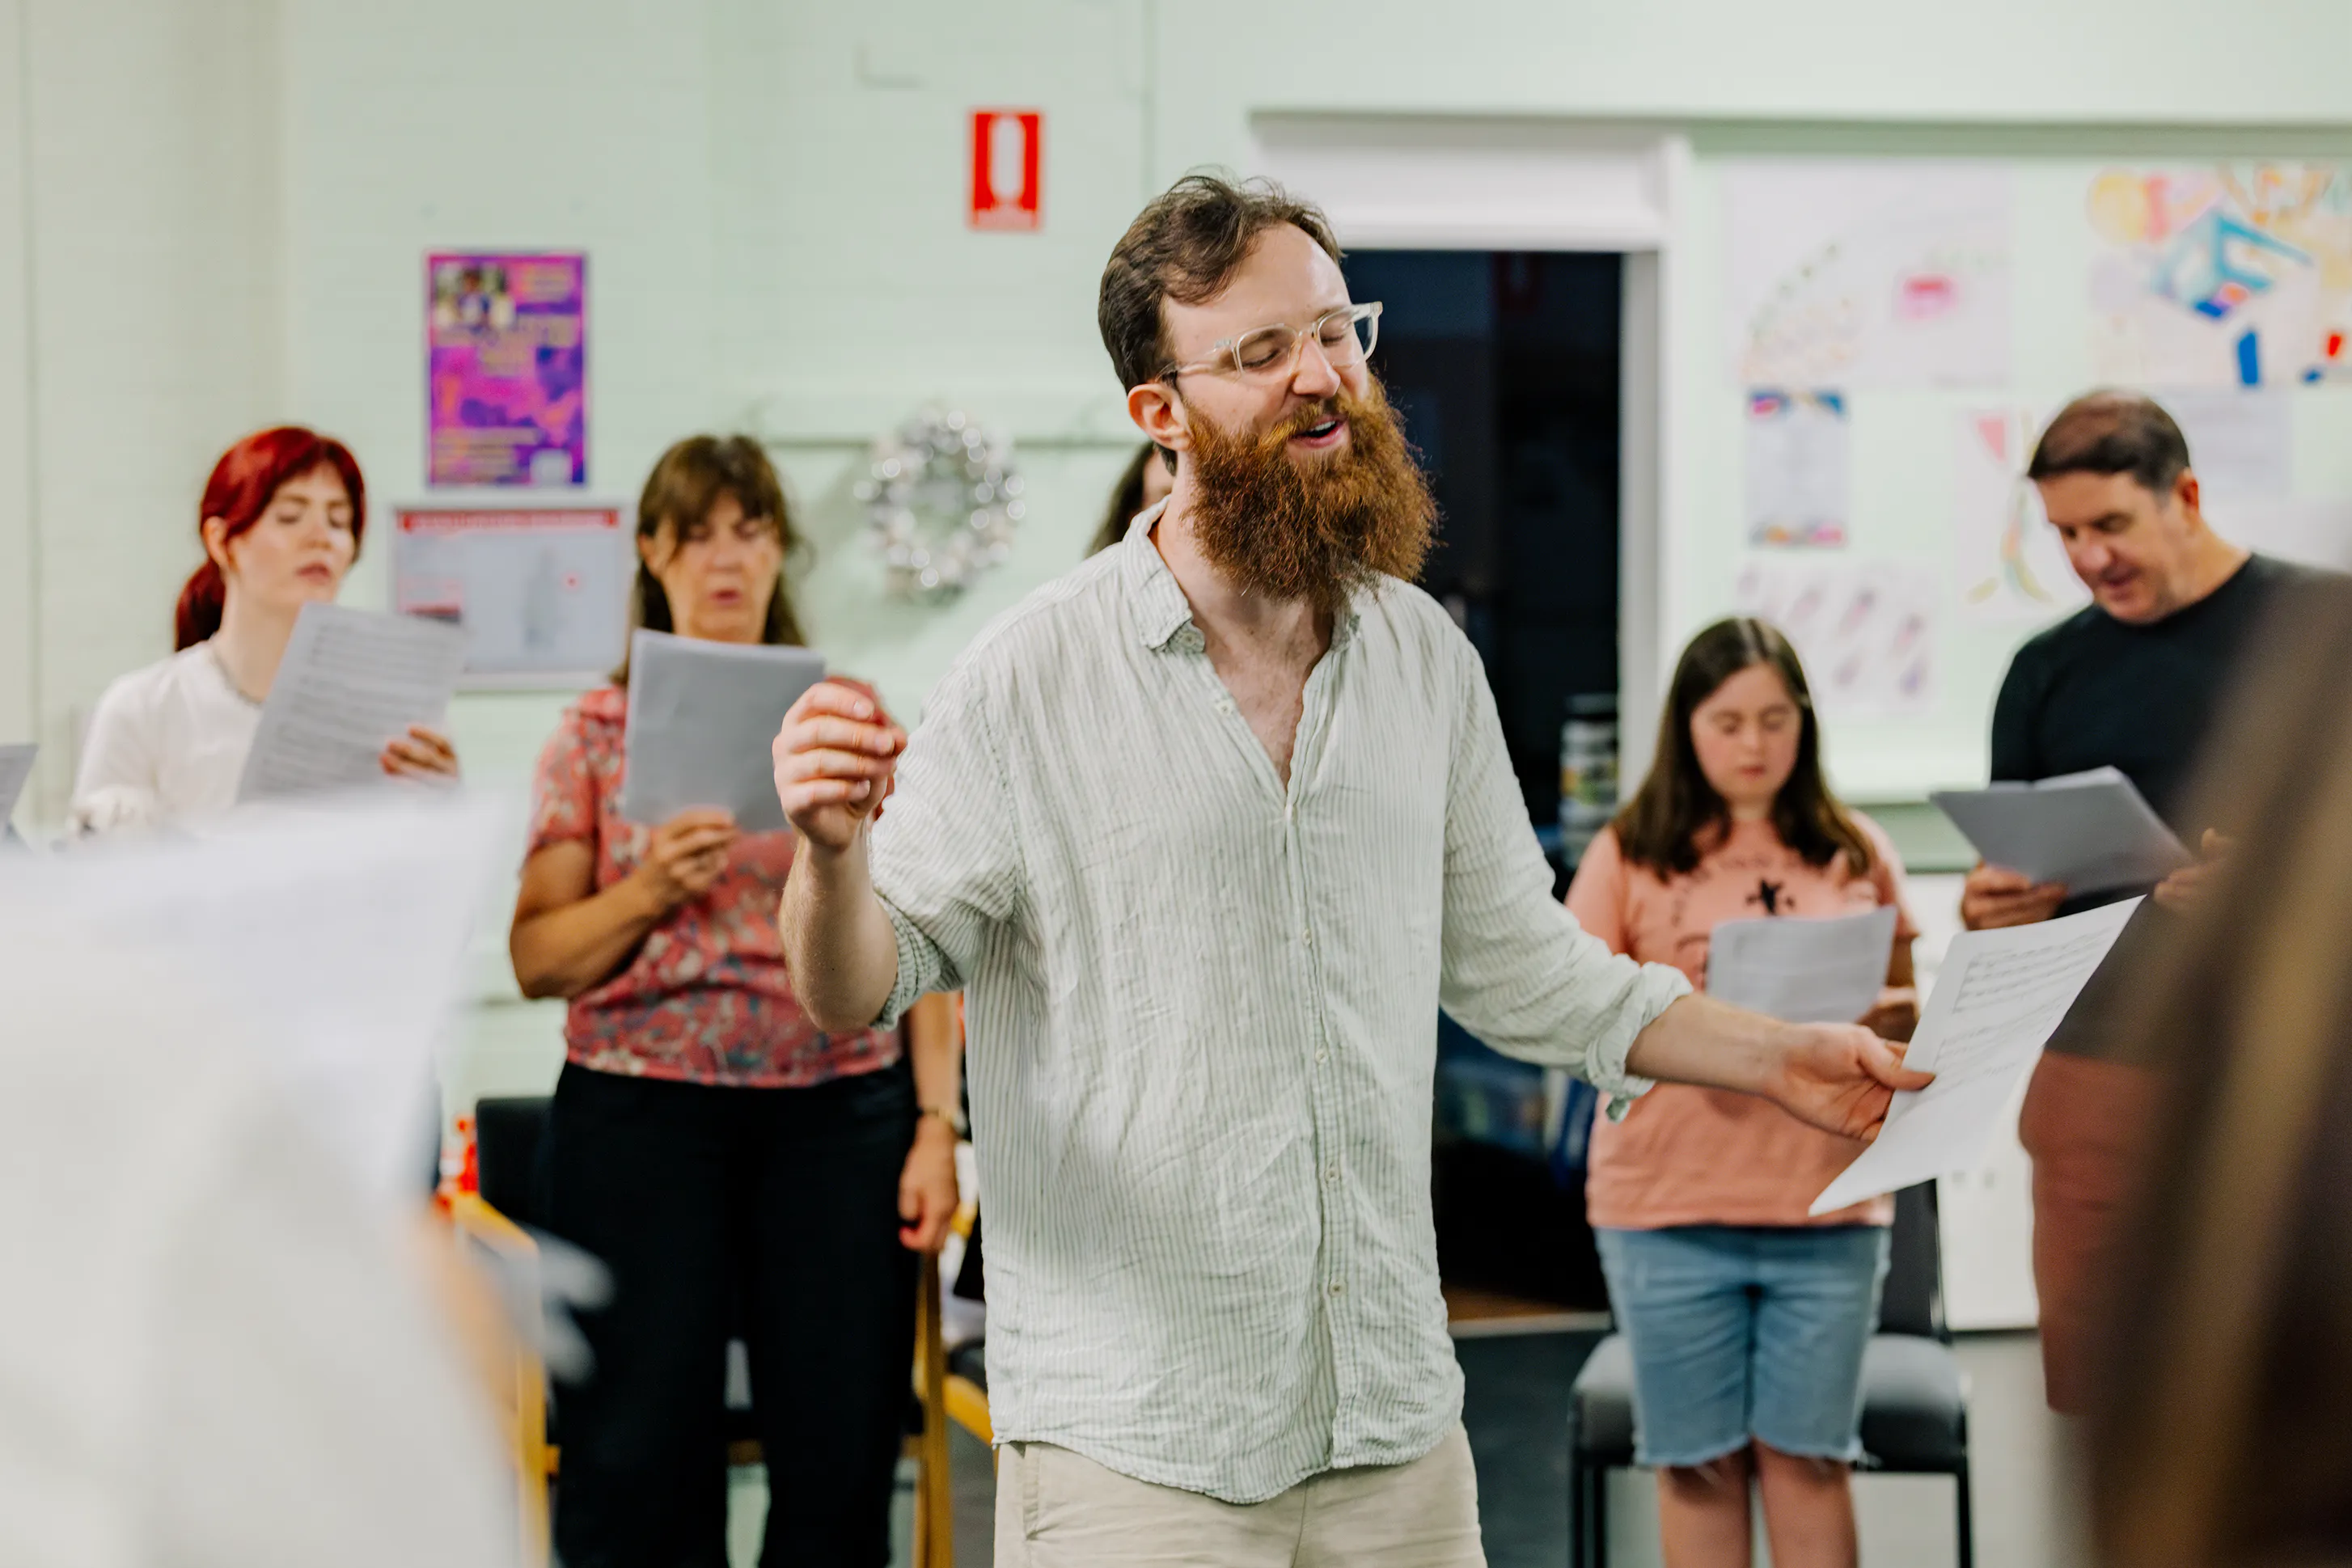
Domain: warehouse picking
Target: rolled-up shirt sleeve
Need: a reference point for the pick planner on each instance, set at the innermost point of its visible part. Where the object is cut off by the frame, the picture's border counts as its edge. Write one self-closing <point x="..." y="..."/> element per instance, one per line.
<point x="1516" y="970"/>
<point x="944" y="855"/>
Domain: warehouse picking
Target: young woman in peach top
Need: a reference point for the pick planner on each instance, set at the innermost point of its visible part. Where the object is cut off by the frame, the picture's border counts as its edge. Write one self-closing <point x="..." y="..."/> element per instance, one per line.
<point x="1746" y="1318"/>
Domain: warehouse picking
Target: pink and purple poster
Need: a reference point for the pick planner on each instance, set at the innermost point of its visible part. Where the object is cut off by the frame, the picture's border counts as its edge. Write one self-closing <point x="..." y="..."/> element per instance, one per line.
<point x="507" y="369"/>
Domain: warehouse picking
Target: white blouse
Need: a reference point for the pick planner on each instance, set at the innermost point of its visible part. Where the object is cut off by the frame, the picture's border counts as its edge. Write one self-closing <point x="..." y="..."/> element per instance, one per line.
<point x="166" y="746"/>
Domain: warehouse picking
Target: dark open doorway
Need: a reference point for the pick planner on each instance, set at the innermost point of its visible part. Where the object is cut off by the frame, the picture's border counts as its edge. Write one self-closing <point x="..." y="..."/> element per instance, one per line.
<point x="1504" y="365"/>
<point x="1505" y="368"/>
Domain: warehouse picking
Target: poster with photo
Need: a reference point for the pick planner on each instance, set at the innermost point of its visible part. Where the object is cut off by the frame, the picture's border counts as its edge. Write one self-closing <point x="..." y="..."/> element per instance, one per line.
<point x="507" y="369"/>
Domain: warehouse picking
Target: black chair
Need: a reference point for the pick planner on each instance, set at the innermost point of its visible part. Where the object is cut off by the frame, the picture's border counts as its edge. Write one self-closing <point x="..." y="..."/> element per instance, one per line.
<point x="1914" y="1412"/>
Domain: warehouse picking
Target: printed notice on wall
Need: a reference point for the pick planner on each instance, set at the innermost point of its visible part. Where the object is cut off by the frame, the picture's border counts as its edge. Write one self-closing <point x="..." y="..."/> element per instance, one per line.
<point x="542" y="593"/>
<point x="507" y="372"/>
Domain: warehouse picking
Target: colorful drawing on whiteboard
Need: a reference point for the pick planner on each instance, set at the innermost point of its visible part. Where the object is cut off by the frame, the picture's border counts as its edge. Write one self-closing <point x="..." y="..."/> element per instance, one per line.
<point x="2234" y="275"/>
<point x="1798" y="474"/>
<point x="2010" y="564"/>
<point x="1864" y="628"/>
<point x="1884" y="273"/>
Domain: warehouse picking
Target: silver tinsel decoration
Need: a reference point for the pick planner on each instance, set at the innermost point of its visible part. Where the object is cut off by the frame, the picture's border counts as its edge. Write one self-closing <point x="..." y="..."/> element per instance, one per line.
<point x="942" y="502"/>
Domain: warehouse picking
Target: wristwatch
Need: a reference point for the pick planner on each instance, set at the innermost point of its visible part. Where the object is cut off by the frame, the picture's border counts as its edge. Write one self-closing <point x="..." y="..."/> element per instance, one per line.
<point x="953" y="1117"/>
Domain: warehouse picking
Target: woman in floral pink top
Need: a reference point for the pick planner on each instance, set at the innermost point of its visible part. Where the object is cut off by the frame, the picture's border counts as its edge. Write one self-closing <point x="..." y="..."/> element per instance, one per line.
<point x="736" y="1168"/>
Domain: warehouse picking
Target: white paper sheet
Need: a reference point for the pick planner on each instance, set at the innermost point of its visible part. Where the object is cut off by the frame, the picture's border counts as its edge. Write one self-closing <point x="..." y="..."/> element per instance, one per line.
<point x="2241" y="442"/>
<point x="2092" y="831"/>
<point x="1865" y="273"/>
<point x="1806" y="971"/>
<point x="16" y="767"/>
<point x="702" y="719"/>
<point x="1999" y="998"/>
<point x="2010" y="564"/>
<point x="1798" y="470"/>
<point x="2314" y="529"/>
<point x="1865" y="627"/>
<point x="341" y="934"/>
<point x="352" y="682"/>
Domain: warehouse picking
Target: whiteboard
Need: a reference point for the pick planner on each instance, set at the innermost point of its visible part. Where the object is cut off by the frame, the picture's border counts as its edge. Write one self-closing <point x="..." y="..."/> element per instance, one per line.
<point x="1939" y="424"/>
<point x="541" y="592"/>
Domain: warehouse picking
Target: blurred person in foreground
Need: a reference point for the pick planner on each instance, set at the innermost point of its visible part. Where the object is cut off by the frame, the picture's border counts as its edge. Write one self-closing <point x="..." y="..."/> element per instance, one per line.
<point x="2223" y="1337"/>
<point x="2134" y="681"/>
<point x="1207" y="830"/>
<point x="1142" y="484"/>
<point x="214" y="1351"/>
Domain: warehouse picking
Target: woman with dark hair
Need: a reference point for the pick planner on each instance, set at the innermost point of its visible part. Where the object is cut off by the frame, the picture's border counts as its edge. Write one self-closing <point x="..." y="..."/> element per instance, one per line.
<point x="1746" y="1318"/>
<point x="736" y="1168"/>
<point x="1142" y="484"/>
<point x="280" y="522"/>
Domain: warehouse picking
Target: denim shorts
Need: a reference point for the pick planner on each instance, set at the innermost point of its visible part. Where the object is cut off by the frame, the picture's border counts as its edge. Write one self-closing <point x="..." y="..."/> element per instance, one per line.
<point x="1745" y="1331"/>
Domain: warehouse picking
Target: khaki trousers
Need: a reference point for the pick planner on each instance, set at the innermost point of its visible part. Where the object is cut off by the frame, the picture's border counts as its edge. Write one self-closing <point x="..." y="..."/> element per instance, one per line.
<point x="1055" y="1509"/>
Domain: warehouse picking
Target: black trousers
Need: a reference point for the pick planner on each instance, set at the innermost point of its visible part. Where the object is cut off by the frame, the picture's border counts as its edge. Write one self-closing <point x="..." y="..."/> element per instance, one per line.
<point x="768" y="1213"/>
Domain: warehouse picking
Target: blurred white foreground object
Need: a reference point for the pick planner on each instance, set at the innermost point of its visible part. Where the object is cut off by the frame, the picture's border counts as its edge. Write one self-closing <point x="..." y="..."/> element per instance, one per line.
<point x="217" y="1351"/>
<point x="338" y="931"/>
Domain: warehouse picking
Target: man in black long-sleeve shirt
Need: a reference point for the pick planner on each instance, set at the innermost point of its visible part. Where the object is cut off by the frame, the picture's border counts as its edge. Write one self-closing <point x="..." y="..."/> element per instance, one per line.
<point x="2133" y="681"/>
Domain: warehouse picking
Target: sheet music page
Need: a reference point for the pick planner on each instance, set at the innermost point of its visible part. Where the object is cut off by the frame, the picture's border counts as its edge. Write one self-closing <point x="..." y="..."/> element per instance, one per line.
<point x="2000" y="995"/>
<point x="352" y="682"/>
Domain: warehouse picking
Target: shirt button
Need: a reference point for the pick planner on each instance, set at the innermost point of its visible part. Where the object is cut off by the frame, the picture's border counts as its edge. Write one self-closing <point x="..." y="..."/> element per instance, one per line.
<point x="1307" y="936"/>
<point x="1331" y="1176"/>
<point x="1319" y="1057"/>
<point x="1339" y="1288"/>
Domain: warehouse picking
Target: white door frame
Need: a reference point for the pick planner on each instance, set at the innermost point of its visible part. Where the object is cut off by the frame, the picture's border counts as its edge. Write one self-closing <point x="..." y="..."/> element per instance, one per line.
<point x="1422" y="183"/>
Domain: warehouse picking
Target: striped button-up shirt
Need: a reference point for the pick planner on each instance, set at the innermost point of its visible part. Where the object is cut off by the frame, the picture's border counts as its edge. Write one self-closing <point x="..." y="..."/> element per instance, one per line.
<point x="1202" y="1011"/>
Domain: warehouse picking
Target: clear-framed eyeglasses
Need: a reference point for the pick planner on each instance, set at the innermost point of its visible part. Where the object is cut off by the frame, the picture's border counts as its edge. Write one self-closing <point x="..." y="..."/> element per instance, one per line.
<point x="1344" y="335"/>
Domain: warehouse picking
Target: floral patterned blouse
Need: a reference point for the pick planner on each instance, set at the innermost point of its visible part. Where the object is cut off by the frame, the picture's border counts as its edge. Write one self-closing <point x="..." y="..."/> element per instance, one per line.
<point x="705" y="998"/>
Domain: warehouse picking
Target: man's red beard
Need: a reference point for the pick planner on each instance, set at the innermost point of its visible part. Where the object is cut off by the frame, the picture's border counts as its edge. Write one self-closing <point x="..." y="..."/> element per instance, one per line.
<point x="1315" y="529"/>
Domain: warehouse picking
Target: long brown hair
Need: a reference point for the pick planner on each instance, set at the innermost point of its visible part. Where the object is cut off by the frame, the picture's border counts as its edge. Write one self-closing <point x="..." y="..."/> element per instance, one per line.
<point x="686" y="482"/>
<point x="2226" y="1363"/>
<point x="1677" y="816"/>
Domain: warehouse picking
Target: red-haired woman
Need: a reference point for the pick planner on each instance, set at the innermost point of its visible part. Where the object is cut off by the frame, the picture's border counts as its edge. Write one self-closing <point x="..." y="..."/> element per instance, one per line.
<point x="280" y="522"/>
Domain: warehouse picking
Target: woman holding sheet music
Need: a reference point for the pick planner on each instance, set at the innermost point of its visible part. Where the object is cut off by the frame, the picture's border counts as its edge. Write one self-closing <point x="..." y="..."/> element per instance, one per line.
<point x="738" y="1170"/>
<point x="280" y="522"/>
<point x="1746" y="1318"/>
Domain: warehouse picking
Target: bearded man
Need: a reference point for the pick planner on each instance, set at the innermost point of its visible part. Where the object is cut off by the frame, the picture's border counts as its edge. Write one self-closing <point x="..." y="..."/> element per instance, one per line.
<point x="1207" y="831"/>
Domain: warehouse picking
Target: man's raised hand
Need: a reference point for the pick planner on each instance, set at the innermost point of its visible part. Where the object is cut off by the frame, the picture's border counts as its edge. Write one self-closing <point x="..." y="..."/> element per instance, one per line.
<point x="836" y="758"/>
